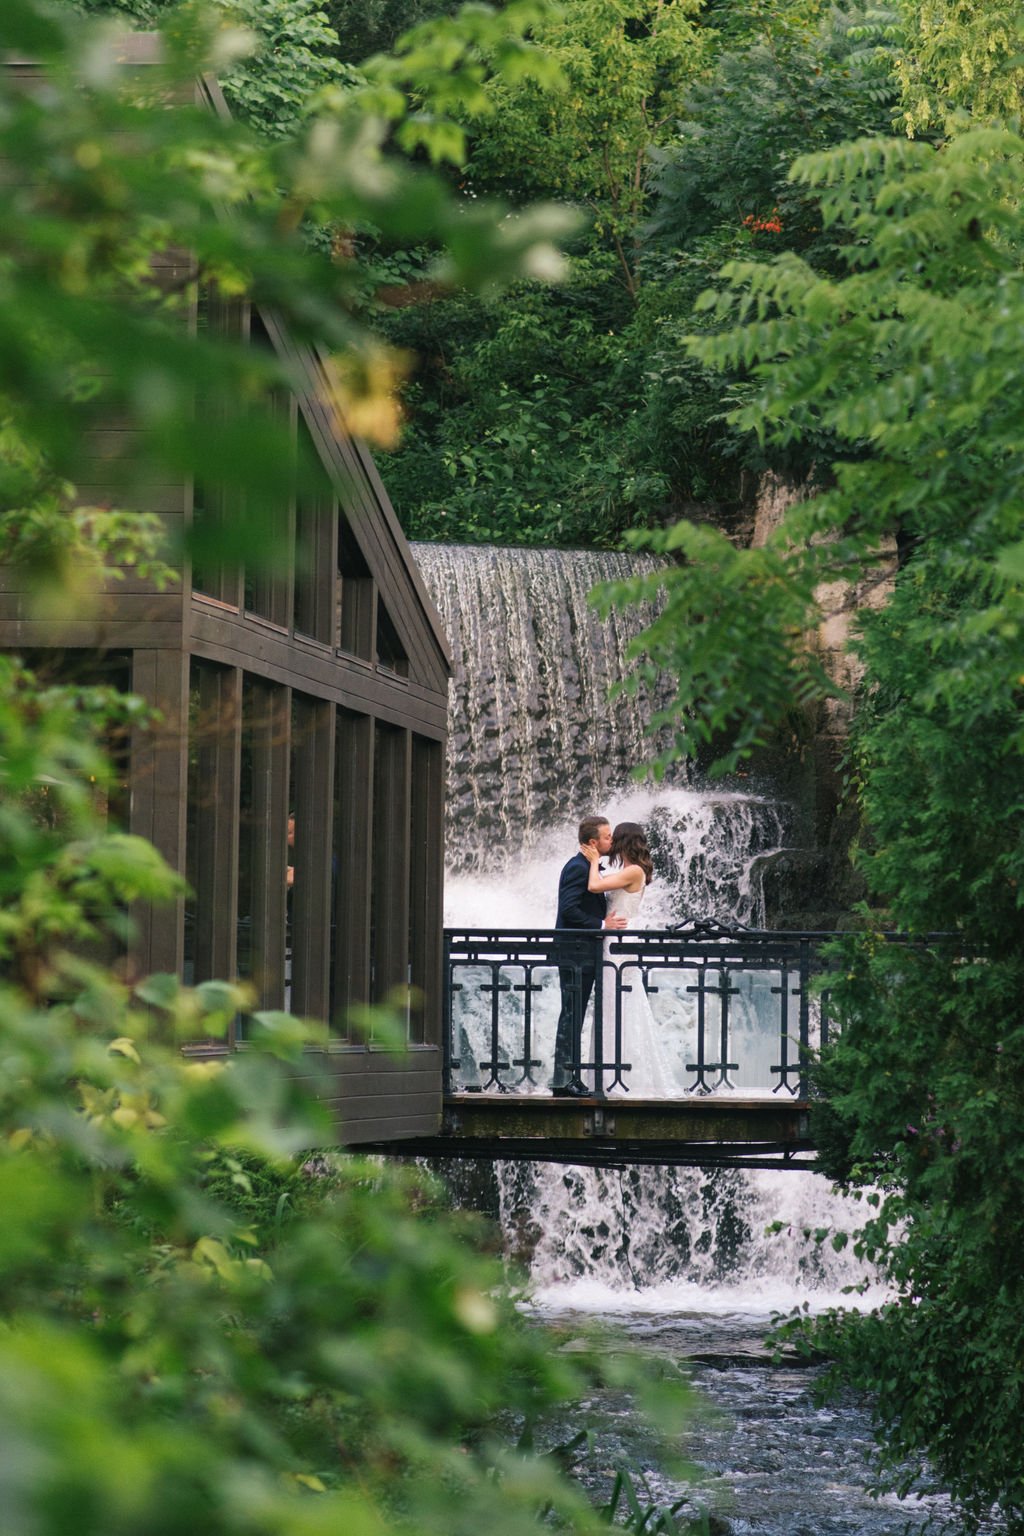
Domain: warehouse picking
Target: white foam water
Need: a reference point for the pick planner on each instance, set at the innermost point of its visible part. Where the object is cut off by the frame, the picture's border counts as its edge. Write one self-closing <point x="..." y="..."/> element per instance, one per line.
<point x="681" y="1240"/>
<point x="707" y="847"/>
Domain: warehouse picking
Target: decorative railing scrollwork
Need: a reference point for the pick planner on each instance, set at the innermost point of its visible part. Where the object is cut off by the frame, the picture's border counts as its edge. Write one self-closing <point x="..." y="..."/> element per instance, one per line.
<point x="740" y="1009"/>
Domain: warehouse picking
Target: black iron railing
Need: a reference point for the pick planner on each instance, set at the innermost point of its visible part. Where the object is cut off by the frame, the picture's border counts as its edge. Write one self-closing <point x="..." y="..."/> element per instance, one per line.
<point x="736" y="1008"/>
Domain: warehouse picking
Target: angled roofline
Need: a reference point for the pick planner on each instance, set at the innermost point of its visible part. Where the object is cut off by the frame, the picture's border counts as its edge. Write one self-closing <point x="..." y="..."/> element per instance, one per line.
<point x="140" y="49"/>
<point x="316" y="365"/>
<point x="129" y="48"/>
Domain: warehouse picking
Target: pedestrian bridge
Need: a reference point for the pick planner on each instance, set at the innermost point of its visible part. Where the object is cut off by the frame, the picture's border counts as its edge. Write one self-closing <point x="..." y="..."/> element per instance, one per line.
<point x="741" y="1010"/>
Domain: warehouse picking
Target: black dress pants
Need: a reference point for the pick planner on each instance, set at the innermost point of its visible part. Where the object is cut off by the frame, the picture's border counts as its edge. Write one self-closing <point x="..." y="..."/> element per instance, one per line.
<point x="576" y="984"/>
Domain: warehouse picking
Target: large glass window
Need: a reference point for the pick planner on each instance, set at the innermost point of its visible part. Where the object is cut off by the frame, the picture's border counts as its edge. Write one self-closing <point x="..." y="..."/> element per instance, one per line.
<point x="356" y="618"/>
<point x="263" y="840"/>
<point x="310" y="853"/>
<point x="211" y="838"/>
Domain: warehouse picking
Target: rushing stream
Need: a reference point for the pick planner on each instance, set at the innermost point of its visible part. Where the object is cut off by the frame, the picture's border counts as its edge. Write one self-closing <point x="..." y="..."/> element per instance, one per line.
<point x="681" y="1262"/>
<point x="678" y="1259"/>
<point x="767" y="1461"/>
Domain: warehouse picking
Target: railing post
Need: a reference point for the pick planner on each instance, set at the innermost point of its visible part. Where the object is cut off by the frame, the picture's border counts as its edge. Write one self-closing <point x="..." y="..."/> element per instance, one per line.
<point x="448" y="1057"/>
<point x="600" y="960"/>
<point x="618" y="1081"/>
<point x="805" y="1016"/>
<point x="528" y="1061"/>
<point x="496" y="1066"/>
<point x="699" y="1066"/>
<point x="725" y="1066"/>
<point x="782" y="991"/>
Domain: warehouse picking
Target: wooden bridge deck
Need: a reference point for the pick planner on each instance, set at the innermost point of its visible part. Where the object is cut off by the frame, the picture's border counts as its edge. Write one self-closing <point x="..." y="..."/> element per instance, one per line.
<point x="699" y="1132"/>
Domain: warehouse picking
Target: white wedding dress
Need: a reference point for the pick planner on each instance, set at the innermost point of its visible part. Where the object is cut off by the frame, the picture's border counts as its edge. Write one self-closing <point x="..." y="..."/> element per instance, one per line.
<point x="652" y="1073"/>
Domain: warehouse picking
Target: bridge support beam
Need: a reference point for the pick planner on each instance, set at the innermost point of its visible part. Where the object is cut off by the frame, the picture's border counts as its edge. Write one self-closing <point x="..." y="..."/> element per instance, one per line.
<point x="704" y="1133"/>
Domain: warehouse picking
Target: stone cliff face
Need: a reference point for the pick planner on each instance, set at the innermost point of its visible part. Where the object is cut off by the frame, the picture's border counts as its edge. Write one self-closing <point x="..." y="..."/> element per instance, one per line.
<point x="815" y="886"/>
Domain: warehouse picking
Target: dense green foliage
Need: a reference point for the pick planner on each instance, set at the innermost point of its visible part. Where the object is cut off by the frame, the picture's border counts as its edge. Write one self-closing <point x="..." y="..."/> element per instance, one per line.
<point x="960" y="61"/>
<point x="289" y="57"/>
<point x="568" y="414"/>
<point x="769" y="100"/>
<point x="864" y="333"/>
<point x="198" y="1330"/>
<point x="908" y="366"/>
<point x="867" y="326"/>
<point x="366" y="27"/>
<point x="116" y="169"/>
<point x="925" y="1091"/>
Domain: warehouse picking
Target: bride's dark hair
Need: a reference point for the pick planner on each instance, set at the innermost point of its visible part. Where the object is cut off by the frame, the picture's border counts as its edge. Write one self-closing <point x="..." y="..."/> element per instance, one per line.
<point x="629" y="846"/>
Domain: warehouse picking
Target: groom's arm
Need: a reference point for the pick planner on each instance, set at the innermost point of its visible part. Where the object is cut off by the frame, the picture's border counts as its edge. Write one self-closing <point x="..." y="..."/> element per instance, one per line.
<point x="571" y="889"/>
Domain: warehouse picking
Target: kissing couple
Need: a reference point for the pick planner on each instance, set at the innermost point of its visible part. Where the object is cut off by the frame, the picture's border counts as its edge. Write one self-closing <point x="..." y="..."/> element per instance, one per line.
<point x="592" y="899"/>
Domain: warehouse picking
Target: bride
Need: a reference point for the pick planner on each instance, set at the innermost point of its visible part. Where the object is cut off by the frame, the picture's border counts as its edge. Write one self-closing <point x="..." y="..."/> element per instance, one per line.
<point x="652" y="1073"/>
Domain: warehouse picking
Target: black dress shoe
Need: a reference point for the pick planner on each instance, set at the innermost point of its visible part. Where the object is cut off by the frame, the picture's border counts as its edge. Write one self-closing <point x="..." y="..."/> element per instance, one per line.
<point x="571" y="1091"/>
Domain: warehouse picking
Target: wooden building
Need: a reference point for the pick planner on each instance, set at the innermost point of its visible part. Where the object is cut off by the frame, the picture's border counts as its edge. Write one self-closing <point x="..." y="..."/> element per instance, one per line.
<point x="297" y="777"/>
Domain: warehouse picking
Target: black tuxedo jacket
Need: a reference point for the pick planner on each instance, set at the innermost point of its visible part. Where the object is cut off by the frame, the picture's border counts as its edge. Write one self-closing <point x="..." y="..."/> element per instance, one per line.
<point x="578" y="907"/>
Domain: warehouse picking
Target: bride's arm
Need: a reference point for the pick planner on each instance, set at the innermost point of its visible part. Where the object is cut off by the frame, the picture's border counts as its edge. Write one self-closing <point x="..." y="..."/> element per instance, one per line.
<point x="614" y="880"/>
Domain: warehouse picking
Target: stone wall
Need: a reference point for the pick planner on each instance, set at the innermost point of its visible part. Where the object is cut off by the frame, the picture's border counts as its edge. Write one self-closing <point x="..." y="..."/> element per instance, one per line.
<point x="812" y="884"/>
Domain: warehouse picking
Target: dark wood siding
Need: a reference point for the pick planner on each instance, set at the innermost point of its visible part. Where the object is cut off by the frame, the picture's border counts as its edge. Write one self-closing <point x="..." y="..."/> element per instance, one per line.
<point x="211" y="847"/>
<point x="426" y="888"/>
<point x="158" y="779"/>
<point x="391" y="798"/>
<point x="317" y="688"/>
<point x="353" y="801"/>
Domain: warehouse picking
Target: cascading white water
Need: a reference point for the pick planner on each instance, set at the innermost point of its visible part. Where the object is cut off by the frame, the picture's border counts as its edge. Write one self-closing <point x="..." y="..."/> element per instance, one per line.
<point x="706" y="844"/>
<point x="534" y="746"/>
<point x="663" y="1240"/>
<point x="534" y="735"/>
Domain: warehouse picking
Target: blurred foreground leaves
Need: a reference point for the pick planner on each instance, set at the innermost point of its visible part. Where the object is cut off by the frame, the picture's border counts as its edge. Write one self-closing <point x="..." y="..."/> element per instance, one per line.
<point x="117" y="211"/>
<point x="203" y="1327"/>
<point x="198" y="1328"/>
<point x="204" y="1323"/>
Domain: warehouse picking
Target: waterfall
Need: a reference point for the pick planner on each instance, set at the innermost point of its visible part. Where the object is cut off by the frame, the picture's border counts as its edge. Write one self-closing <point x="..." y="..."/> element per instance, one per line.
<point x="534" y="737"/>
<point x="535" y="745"/>
<point x="676" y="1239"/>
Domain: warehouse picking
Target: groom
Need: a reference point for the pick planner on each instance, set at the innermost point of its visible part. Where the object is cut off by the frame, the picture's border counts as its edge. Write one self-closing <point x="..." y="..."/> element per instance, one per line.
<point x="583" y="909"/>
